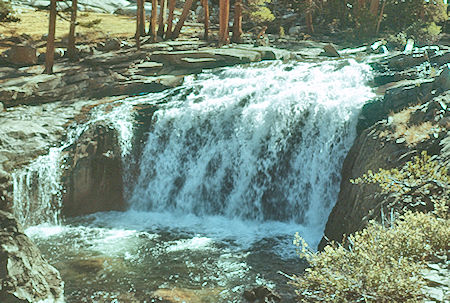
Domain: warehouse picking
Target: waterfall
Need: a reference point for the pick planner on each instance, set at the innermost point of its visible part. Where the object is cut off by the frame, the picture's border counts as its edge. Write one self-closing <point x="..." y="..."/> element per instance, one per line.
<point x="261" y="143"/>
<point x="37" y="188"/>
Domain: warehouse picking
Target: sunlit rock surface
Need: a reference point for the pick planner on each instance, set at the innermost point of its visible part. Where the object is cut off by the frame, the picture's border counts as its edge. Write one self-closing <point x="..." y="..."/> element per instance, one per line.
<point x="24" y="275"/>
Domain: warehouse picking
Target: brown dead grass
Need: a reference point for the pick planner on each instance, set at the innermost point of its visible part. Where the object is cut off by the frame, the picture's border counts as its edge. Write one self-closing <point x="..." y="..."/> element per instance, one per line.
<point x="35" y="24"/>
<point x="413" y="134"/>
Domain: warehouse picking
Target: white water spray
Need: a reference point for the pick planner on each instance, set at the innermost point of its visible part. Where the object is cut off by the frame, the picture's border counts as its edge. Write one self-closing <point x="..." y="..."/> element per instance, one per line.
<point x="37" y="187"/>
<point x="257" y="143"/>
<point x="262" y="143"/>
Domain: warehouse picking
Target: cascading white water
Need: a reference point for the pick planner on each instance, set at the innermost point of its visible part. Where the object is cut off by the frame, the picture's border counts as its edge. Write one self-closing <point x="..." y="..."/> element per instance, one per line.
<point x="262" y="143"/>
<point x="37" y="188"/>
<point x="236" y="161"/>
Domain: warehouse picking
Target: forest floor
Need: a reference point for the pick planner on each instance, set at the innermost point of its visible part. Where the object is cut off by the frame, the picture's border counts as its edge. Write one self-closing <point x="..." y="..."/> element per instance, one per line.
<point x="92" y="28"/>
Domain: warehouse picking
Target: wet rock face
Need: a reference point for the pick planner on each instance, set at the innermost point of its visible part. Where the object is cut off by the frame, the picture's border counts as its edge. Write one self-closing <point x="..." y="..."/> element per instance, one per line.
<point x="93" y="177"/>
<point x="24" y="275"/>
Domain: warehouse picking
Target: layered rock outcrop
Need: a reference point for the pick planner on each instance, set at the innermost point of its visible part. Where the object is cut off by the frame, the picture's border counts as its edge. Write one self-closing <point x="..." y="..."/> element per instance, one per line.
<point x="413" y="116"/>
<point x="25" y="276"/>
<point x="93" y="179"/>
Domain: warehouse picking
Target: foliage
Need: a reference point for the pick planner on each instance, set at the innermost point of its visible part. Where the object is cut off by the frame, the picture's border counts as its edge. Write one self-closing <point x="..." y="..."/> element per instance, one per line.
<point x="258" y="12"/>
<point x="7" y="12"/>
<point x="422" y="182"/>
<point x="382" y="263"/>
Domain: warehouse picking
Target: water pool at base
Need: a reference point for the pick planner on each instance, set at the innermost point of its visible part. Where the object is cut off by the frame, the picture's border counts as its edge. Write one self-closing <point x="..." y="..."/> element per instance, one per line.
<point x="105" y="258"/>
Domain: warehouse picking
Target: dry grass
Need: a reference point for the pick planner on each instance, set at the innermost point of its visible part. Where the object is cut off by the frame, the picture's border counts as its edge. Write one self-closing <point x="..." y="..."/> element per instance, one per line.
<point x="35" y="24"/>
<point x="416" y="133"/>
<point x="412" y="134"/>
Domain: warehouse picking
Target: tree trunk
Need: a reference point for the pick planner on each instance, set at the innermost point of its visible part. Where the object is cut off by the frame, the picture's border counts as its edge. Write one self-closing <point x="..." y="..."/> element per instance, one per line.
<point x="374" y="6"/>
<point x="50" y="52"/>
<point x="141" y="4"/>
<point x="224" y="14"/>
<point x="138" y="25"/>
<point x="184" y="15"/>
<point x="154" y="19"/>
<point x="71" y="50"/>
<point x="162" y="8"/>
<point x="206" y="21"/>
<point x="237" y="23"/>
<point x="309" y="18"/>
<point x="170" y="19"/>
<point x="380" y="17"/>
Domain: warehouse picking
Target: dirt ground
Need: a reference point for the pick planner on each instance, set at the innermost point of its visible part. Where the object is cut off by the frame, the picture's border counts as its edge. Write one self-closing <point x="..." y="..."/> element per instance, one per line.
<point x="92" y="27"/>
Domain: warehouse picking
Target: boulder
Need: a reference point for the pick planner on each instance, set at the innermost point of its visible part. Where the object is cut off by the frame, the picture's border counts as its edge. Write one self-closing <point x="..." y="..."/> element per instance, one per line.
<point x="380" y="146"/>
<point x="330" y="51"/>
<point x="59" y="53"/>
<point x="442" y="82"/>
<point x="25" y="276"/>
<point x="93" y="179"/>
<point x="22" y="55"/>
<point x="111" y="45"/>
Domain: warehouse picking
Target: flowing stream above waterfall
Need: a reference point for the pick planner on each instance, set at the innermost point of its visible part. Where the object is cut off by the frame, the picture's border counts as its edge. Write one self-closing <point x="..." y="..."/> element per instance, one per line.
<point x="233" y="164"/>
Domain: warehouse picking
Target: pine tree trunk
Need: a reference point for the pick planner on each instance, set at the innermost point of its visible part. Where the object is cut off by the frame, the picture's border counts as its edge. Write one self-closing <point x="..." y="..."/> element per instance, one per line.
<point x="162" y="8"/>
<point x="237" y="23"/>
<point x="154" y="19"/>
<point x="71" y="50"/>
<point x="184" y="15"/>
<point x="205" y="4"/>
<point x="224" y="14"/>
<point x="141" y="4"/>
<point x="309" y="18"/>
<point x="374" y="6"/>
<point x="138" y="25"/>
<point x="170" y="19"/>
<point x="50" y="52"/>
<point x="380" y="17"/>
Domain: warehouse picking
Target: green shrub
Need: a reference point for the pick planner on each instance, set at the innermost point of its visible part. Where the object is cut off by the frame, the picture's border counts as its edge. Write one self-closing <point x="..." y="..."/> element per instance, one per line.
<point x="421" y="183"/>
<point x="258" y="12"/>
<point x="7" y="12"/>
<point x="382" y="262"/>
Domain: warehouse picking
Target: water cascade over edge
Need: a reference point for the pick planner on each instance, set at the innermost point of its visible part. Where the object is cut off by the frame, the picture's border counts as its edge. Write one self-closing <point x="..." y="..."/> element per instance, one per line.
<point x="262" y="143"/>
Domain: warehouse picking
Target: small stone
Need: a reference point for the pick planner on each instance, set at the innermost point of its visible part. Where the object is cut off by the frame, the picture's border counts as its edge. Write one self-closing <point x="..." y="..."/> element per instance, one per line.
<point x="330" y="51"/>
<point x="400" y="140"/>
<point x="111" y="45"/>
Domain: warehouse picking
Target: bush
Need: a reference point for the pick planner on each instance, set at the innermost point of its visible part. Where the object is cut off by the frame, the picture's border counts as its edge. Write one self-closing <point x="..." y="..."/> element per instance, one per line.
<point x="382" y="263"/>
<point x="7" y="12"/>
<point x="257" y="11"/>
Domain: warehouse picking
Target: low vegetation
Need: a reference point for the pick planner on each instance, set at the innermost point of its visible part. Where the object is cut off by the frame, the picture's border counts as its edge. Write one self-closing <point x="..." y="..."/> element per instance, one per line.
<point x="7" y="12"/>
<point x="383" y="262"/>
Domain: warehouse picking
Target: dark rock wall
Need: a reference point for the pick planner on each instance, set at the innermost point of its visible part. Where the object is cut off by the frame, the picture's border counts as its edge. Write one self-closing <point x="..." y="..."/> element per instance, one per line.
<point x="380" y="145"/>
<point x="93" y="177"/>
